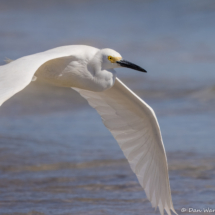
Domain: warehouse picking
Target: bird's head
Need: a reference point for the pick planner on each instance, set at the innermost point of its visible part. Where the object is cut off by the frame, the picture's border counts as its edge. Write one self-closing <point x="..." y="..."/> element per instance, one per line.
<point x="112" y="59"/>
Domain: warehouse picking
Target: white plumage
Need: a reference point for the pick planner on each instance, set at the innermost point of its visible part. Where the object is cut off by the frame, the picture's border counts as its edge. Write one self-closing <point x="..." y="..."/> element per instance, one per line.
<point x="131" y="121"/>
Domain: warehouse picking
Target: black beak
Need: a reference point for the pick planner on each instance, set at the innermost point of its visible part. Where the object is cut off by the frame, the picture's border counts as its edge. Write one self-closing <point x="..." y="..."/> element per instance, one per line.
<point x="124" y="63"/>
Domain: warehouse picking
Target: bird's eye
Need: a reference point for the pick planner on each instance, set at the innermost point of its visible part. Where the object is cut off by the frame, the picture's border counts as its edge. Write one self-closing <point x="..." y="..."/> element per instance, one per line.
<point x="109" y="57"/>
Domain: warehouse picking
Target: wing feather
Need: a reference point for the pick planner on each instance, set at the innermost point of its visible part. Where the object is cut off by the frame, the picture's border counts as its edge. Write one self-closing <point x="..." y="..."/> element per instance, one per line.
<point x="17" y="74"/>
<point x="134" y="125"/>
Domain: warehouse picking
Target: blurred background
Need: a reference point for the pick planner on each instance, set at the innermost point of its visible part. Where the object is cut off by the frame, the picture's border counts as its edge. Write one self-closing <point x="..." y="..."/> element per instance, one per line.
<point x="56" y="157"/>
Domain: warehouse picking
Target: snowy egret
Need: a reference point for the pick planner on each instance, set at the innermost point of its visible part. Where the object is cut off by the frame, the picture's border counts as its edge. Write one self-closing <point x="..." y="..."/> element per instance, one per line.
<point x="131" y="121"/>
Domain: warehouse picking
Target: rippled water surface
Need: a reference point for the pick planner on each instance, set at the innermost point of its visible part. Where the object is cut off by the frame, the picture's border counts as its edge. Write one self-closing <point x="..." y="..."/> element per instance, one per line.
<point x="56" y="157"/>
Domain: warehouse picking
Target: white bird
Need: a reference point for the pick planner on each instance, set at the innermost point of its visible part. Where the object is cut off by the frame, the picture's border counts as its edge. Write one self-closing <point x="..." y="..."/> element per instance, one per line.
<point x="131" y="121"/>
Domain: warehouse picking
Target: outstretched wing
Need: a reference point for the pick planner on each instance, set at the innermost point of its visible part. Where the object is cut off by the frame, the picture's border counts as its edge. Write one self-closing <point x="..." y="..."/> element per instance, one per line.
<point x="17" y="74"/>
<point x="134" y="125"/>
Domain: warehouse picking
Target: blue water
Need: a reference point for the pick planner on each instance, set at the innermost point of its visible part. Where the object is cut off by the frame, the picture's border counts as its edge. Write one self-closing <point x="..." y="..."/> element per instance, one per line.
<point x="56" y="157"/>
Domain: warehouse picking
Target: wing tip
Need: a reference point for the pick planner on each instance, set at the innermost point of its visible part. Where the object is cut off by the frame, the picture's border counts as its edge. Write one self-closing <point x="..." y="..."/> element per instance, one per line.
<point x="168" y="210"/>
